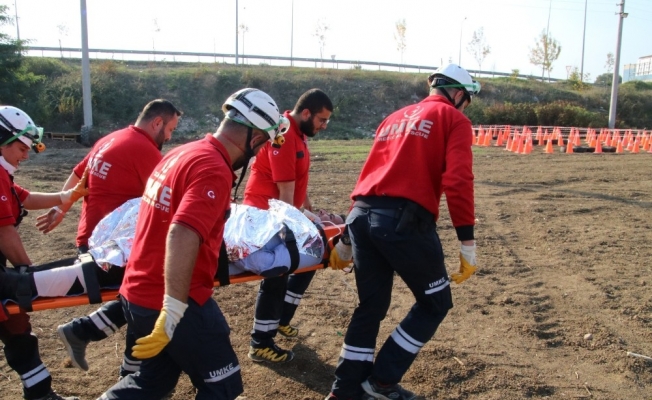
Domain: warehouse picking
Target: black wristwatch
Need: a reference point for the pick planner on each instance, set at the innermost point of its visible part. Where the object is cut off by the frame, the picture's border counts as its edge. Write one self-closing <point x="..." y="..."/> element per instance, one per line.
<point x="346" y="239"/>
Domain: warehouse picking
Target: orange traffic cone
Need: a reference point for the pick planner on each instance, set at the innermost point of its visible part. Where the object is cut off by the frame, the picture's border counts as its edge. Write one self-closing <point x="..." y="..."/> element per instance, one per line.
<point x="569" y="147"/>
<point x="510" y="143"/>
<point x="480" y="141"/>
<point x="528" y="146"/>
<point x="636" y="146"/>
<point x="598" y="147"/>
<point x="619" y="146"/>
<point x="500" y="138"/>
<point x="519" y="148"/>
<point x="549" y="148"/>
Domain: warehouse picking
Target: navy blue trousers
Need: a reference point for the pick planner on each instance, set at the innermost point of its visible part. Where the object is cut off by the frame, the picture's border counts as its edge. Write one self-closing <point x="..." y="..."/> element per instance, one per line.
<point x="379" y="252"/>
<point x="200" y="347"/>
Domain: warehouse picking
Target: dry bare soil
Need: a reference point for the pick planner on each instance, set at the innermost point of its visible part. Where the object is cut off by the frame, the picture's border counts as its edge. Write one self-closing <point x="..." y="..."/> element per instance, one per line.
<point x="564" y="250"/>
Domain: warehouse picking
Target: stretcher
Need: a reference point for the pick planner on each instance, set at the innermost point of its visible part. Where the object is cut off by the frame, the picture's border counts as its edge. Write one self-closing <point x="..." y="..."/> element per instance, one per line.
<point x="331" y="234"/>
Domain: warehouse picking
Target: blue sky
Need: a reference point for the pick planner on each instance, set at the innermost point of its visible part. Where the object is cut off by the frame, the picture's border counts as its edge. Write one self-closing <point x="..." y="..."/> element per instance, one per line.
<point x="357" y="29"/>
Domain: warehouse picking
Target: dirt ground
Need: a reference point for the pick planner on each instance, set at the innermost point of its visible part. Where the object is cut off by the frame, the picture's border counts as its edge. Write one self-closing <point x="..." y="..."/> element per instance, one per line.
<point x="562" y="293"/>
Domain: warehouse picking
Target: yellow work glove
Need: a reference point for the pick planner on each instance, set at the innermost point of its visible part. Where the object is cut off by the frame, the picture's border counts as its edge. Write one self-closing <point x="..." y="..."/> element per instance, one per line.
<point x="172" y="312"/>
<point x="341" y="256"/>
<point x="467" y="264"/>
<point x="80" y="190"/>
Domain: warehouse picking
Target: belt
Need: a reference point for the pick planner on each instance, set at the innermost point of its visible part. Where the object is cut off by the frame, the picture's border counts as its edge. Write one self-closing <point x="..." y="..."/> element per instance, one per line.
<point x="388" y="212"/>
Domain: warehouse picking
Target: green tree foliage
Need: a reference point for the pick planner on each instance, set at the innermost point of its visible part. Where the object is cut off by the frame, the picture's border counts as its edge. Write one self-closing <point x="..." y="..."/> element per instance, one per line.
<point x="606" y="78"/>
<point x="545" y="52"/>
<point x="577" y="80"/>
<point x="12" y="77"/>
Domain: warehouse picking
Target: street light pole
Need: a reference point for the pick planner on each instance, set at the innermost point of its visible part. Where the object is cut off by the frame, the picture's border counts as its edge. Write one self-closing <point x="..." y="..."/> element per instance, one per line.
<point x="86" y="78"/>
<point x="459" y="58"/>
<point x="17" y="29"/>
<point x="236" y="32"/>
<point x="292" y="37"/>
<point x="583" y="40"/>
<point x="614" y="82"/>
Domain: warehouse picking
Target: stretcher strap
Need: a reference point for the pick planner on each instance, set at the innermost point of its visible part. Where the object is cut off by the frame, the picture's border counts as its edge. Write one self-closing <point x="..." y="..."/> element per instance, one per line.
<point x="222" y="274"/>
<point x="23" y="290"/>
<point x="291" y="244"/>
<point x="89" y="269"/>
<point x="324" y="240"/>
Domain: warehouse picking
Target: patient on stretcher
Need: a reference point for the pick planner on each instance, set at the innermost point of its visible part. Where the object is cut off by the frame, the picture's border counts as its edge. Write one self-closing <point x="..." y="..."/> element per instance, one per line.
<point x="255" y="242"/>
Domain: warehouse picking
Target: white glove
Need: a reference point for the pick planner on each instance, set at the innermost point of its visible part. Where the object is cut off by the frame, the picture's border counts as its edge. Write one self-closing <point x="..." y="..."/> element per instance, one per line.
<point x="469" y="253"/>
<point x="344" y="251"/>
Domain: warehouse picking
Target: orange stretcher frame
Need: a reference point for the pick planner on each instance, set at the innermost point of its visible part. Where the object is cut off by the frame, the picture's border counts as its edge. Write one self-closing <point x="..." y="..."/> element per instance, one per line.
<point x="48" y="303"/>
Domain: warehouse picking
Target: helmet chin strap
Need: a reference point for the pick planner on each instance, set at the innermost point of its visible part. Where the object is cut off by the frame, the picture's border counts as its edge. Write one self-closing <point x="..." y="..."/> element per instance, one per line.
<point x="248" y="154"/>
<point x="448" y="96"/>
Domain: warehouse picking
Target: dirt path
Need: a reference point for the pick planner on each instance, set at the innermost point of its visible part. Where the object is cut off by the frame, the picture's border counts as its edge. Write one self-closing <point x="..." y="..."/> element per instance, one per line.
<point x="564" y="248"/>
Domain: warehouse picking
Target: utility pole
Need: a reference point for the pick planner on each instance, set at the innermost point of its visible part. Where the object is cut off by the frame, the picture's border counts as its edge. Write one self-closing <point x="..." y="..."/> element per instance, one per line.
<point x="292" y="37"/>
<point x="86" y="78"/>
<point x="583" y="40"/>
<point x="236" y="32"/>
<point x="614" y="82"/>
<point x="459" y="58"/>
<point x="16" y="13"/>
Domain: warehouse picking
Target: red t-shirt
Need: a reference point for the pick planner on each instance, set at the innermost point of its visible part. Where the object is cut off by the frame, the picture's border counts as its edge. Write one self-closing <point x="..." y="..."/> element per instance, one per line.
<point x="190" y="186"/>
<point x="419" y="152"/>
<point x="120" y="164"/>
<point x="290" y="162"/>
<point x="9" y="204"/>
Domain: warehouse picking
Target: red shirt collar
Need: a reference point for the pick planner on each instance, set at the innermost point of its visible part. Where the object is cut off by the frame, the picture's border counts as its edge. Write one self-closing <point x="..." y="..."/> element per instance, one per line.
<point x="294" y="125"/>
<point x="222" y="150"/>
<point x="144" y="133"/>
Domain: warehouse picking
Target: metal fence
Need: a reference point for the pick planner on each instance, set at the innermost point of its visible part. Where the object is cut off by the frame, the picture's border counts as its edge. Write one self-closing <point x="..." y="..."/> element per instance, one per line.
<point x="249" y="59"/>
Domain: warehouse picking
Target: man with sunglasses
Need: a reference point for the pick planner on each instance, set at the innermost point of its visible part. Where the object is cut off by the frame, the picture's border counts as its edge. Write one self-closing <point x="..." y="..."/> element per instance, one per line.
<point x="168" y="283"/>
<point x="283" y="174"/>
<point x="18" y="134"/>
<point x="119" y="165"/>
<point x="392" y="227"/>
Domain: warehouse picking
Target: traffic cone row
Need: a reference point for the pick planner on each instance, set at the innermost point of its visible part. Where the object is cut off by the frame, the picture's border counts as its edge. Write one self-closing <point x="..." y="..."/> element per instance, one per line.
<point x="522" y="142"/>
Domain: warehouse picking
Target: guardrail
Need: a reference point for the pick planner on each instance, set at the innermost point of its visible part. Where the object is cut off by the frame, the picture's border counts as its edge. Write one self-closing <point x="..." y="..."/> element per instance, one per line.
<point x="324" y="63"/>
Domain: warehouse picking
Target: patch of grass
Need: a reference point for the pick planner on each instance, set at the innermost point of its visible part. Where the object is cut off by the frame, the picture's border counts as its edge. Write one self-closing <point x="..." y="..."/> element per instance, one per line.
<point x="348" y="150"/>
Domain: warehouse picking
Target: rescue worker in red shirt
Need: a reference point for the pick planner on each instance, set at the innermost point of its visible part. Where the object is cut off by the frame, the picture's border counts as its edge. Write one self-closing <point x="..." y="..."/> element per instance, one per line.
<point x="168" y="283"/>
<point x="120" y="164"/>
<point x="282" y="173"/>
<point x="392" y="227"/>
<point x="18" y="134"/>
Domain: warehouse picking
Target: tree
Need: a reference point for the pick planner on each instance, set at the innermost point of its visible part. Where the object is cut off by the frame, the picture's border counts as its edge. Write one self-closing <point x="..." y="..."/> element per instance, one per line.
<point x="320" y="34"/>
<point x="242" y="28"/>
<point x="478" y="47"/>
<point x="606" y="79"/>
<point x="577" y="80"/>
<point x="14" y="80"/>
<point x="545" y="53"/>
<point x="399" y="36"/>
<point x="63" y="31"/>
<point x="609" y="65"/>
<point x="156" y="30"/>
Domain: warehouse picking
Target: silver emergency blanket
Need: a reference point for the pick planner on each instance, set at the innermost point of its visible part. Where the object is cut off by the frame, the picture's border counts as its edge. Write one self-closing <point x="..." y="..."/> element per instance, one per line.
<point x="247" y="230"/>
<point x="111" y="240"/>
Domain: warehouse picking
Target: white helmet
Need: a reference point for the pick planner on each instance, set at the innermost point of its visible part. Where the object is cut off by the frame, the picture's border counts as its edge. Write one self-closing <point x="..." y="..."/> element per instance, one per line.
<point x="259" y="111"/>
<point x="454" y="76"/>
<point x="16" y="124"/>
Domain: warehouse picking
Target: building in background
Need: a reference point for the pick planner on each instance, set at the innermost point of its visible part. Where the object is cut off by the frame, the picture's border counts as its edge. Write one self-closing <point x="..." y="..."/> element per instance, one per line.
<point x="641" y="71"/>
